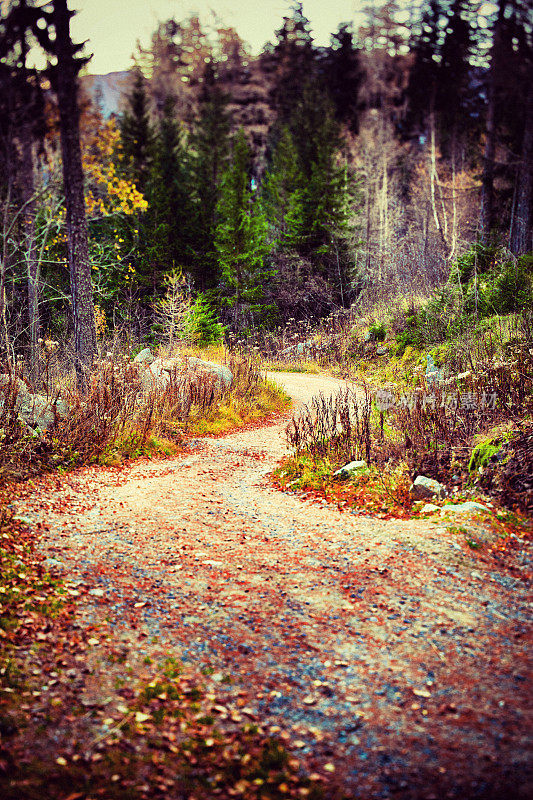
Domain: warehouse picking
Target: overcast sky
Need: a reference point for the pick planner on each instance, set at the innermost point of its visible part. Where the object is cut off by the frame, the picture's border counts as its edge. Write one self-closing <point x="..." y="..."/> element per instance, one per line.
<point x="113" y="26"/>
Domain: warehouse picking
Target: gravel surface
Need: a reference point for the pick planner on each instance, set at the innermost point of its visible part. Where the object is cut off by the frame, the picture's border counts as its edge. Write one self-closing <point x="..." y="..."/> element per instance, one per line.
<point x="382" y="647"/>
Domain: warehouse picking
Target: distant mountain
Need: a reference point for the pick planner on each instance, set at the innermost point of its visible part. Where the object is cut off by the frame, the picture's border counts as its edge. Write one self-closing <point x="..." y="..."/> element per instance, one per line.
<point x="107" y="92"/>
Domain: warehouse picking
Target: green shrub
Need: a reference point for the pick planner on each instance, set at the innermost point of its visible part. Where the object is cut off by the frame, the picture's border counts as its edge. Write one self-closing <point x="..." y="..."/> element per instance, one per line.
<point x="493" y="281"/>
<point x="205" y="328"/>
<point x="483" y="282"/>
<point x="378" y="331"/>
<point x="483" y="454"/>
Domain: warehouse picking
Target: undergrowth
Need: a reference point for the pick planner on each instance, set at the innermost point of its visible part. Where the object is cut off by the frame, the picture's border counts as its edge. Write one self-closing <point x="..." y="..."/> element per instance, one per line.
<point x="122" y="417"/>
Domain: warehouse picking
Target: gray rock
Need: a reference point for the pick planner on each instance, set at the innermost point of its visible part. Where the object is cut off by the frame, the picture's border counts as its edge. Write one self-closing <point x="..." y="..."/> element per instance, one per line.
<point x="353" y="468"/>
<point x="223" y="374"/>
<point x="53" y="563"/>
<point x="22" y="389"/>
<point x="433" y="373"/>
<point x="156" y="376"/>
<point x="381" y="351"/>
<point x="144" y="357"/>
<point x="464" y="508"/>
<point x="295" y="351"/>
<point x="24" y="520"/>
<point x="429" y="508"/>
<point x="35" y="411"/>
<point x="424" y="488"/>
<point x="159" y="373"/>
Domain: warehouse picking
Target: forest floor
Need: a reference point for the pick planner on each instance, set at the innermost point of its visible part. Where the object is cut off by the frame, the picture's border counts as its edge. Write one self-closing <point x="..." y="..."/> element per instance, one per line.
<point x="388" y="658"/>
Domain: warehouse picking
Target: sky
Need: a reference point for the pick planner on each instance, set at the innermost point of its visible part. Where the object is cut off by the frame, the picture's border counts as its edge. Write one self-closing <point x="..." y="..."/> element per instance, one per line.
<point x="114" y="26"/>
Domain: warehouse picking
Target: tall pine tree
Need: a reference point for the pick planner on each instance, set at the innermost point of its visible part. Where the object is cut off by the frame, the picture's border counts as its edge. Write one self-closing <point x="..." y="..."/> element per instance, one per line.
<point x="342" y="76"/>
<point x="293" y="62"/>
<point x="136" y="135"/>
<point x="209" y="152"/>
<point x="308" y="193"/>
<point x="282" y="195"/>
<point x="241" y="241"/>
<point x="167" y="223"/>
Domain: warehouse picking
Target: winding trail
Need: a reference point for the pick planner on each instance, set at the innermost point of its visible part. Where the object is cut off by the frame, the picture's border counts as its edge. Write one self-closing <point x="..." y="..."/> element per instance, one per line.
<point x="383" y="647"/>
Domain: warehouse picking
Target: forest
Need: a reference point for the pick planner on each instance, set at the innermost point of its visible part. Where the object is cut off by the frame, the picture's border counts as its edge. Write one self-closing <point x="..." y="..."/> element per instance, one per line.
<point x="261" y="188"/>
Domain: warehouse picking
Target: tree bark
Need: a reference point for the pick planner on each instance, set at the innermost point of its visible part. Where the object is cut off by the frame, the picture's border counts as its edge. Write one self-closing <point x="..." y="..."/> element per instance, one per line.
<point x="31" y="256"/>
<point x="486" y="216"/>
<point x="65" y="81"/>
<point x="5" y="351"/>
<point x="521" y="233"/>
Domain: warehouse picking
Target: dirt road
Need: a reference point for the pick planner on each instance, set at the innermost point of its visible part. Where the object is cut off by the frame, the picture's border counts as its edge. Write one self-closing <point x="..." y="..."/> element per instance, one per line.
<point x="384" y="648"/>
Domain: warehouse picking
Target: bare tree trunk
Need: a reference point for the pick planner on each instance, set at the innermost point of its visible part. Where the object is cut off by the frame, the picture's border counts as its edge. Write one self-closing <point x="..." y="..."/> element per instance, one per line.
<point x="5" y="352"/>
<point x="383" y="209"/>
<point x="65" y="80"/>
<point x="32" y="260"/>
<point x="486" y="216"/>
<point x="521" y="233"/>
<point x="433" y="186"/>
<point x="487" y="181"/>
<point x="368" y="225"/>
<point x="453" y="246"/>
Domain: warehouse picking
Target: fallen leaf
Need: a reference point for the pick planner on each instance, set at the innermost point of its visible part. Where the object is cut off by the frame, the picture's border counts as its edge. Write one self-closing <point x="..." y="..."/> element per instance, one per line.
<point x="421" y="692"/>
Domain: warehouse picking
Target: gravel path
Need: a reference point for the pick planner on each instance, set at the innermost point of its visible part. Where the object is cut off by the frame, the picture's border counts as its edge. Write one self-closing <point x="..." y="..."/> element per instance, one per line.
<point x="383" y="648"/>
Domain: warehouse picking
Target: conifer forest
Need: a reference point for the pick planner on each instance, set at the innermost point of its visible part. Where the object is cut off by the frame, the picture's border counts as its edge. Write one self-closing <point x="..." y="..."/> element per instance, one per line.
<point x="280" y="185"/>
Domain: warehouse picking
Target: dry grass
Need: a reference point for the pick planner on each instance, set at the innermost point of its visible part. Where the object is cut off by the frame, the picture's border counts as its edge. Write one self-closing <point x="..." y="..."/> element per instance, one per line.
<point x="118" y="419"/>
<point x="337" y="427"/>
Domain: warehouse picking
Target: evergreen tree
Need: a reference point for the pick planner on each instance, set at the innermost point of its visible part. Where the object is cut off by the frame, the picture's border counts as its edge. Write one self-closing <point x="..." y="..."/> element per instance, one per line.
<point x="136" y="135"/>
<point x="166" y="225"/>
<point x="454" y="75"/>
<point x="204" y="326"/>
<point x="282" y="194"/>
<point x="51" y="27"/>
<point x="293" y="63"/>
<point x="423" y="77"/>
<point x="22" y="131"/>
<point x="241" y="240"/>
<point x="308" y="193"/>
<point x="209" y="151"/>
<point x="325" y="195"/>
<point x="507" y="193"/>
<point x="342" y="76"/>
